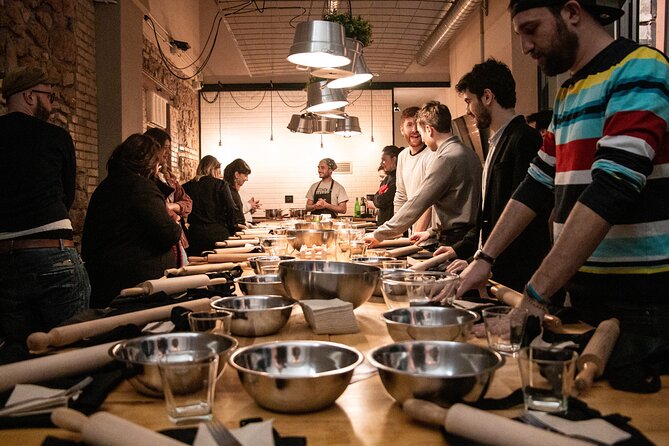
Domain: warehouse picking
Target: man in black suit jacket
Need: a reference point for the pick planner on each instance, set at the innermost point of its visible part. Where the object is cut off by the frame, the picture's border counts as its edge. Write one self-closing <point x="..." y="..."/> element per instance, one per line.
<point x="490" y="93"/>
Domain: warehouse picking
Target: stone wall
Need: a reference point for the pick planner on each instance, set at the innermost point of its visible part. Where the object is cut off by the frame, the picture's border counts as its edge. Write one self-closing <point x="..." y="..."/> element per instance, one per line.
<point x="59" y="35"/>
<point x="183" y="111"/>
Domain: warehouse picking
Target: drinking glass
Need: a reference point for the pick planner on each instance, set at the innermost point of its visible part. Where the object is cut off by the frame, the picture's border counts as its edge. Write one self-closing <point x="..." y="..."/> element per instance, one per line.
<point x="268" y="264"/>
<point x="504" y="328"/>
<point x="547" y="375"/>
<point x="402" y="289"/>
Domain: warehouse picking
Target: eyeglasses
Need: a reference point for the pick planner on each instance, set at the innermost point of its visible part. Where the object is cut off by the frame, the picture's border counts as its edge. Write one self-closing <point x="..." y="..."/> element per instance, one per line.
<point x="52" y="95"/>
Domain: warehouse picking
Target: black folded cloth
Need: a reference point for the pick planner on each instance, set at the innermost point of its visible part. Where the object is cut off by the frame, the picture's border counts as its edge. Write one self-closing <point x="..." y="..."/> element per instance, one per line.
<point x="105" y="380"/>
<point x="187" y="435"/>
<point x="578" y="411"/>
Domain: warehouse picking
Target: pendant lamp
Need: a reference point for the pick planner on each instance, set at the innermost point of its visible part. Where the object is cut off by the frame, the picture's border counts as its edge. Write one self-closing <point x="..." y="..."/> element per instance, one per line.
<point x="321" y="98"/>
<point x="347" y="127"/>
<point x="318" y="43"/>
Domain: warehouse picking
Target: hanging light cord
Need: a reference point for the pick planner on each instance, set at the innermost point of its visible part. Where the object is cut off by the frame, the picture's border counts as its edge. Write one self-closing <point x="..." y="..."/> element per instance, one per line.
<point x="220" y="137"/>
<point x="371" y="101"/>
<point x="271" y="112"/>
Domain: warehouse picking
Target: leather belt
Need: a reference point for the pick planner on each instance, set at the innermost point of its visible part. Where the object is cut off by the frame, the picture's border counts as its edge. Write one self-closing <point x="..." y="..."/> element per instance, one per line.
<point x="7" y="246"/>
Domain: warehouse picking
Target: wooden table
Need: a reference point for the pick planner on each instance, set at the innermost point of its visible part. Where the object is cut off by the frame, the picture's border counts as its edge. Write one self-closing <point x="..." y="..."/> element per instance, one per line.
<point x="364" y="414"/>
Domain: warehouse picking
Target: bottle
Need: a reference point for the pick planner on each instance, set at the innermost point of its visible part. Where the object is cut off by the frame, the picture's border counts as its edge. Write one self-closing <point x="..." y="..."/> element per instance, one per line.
<point x="363" y="207"/>
<point x="356" y="208"/>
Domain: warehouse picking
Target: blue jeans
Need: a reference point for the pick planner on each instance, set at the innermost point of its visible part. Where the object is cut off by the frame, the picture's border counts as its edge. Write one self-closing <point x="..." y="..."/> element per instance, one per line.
<point x="39" y="289"/>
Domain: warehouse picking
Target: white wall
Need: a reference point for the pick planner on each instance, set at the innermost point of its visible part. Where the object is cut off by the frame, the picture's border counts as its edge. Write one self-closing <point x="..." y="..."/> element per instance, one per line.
<point x="287" y="165"/>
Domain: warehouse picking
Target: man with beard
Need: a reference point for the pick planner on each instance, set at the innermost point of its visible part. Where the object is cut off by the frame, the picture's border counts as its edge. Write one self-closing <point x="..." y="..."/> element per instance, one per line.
<point x="489" y="91"/>
<point x="412" y="165"/>
<point x="327" y="196"/>
<point x="603" y="162"/>
<point x="452" y="183"/>
<point x="42" y="278"/>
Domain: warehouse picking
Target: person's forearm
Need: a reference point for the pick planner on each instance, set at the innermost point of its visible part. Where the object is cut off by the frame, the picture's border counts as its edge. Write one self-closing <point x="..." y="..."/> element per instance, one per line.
<point x="580" y="236"/>
<point x="513" y="221"/>
<point x="338" y="208"/>
<point x="424" y="222"/>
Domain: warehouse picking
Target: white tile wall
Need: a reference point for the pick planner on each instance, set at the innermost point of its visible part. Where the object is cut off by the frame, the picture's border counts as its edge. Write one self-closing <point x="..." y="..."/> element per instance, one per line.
<point x="287" y="165"/>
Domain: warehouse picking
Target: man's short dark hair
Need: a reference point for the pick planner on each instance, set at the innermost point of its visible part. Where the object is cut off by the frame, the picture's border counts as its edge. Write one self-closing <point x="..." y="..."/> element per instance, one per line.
<point x="409" y="112"/>
<point x="435" y="114"/>
<point x="392" y="151"/>
<point x="542" y="118"/>
<point x="493" y="75"/>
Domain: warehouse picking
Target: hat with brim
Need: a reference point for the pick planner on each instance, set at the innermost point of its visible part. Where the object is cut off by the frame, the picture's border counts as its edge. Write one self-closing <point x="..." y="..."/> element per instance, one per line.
<point x="604" y="11"/>
<point x="21" y="79"/>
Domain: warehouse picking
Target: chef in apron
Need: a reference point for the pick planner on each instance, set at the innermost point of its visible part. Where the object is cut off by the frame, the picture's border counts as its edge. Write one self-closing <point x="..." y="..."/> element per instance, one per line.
<point x="326" y="196"/>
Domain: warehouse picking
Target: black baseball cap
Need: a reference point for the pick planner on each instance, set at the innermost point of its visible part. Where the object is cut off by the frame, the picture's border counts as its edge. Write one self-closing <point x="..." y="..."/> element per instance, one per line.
<point x="605" y="11"/>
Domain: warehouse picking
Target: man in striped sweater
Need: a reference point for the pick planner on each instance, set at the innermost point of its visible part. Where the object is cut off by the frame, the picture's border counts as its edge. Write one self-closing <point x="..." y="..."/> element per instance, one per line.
<point x="604" y="162"/>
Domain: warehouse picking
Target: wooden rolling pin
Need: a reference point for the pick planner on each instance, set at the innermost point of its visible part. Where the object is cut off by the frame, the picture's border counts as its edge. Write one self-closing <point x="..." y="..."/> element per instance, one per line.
<point x="105" y="429"/>
<point x="190" y="270"/>
<point x="236" y="243"/>
<point x="67" y="334"/>
<point x="171" y="285"/>
<point x="403" y="251"/>
<point x="60" y="365"/>
<point x="234" y="250"/>
<point x="220" y="258"/>
<point x="592" y="362"/>
<point x="513" y="298"/>
<point x="394" y="243"/>
<point x="429" y="263"/>
<point x="484" y="427"/>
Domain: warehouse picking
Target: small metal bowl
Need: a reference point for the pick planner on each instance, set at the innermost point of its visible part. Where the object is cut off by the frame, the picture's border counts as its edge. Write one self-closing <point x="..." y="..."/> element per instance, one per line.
<point x="144" y="353"/>
<point x="315" y="279"/>
<point x="313" y="225"/>
<point x="311" y="237"/>
<point x="443" y="372"/>
<point x="430" y="324"/>
<point x="296" y="376"/>
<point x="261" y="284"/>
<point x="374" y="261"/>
<point x="256" y="315"/>
<point x="253" y="264"/>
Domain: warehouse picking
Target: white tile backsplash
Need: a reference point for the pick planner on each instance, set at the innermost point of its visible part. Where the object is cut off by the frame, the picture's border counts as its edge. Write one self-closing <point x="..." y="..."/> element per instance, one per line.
<point x="287" y="165"/>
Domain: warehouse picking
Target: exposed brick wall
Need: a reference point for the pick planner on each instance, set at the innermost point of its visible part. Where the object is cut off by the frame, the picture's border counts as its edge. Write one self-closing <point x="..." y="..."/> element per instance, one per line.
<point x="183" y="111"/>
<point x="59" y="35"/>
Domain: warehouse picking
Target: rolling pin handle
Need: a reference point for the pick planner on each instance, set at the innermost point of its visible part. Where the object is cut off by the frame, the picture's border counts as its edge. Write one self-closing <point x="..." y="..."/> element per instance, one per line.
<point x="425" y="411"/>
<point x="69" y="419"/>
<point x="586" y="376"/>
<point x="39" y="341"/>
<point x="129" y="292"/>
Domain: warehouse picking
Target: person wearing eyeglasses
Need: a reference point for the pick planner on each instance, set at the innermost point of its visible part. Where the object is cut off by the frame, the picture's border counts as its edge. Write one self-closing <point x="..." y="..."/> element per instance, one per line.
<point x="43" y="281"/>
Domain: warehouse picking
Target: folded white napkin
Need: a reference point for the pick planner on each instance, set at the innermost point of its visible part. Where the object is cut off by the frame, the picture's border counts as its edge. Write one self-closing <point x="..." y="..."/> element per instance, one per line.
<point x="330" y="316"/>
<point x="596" y="429"/>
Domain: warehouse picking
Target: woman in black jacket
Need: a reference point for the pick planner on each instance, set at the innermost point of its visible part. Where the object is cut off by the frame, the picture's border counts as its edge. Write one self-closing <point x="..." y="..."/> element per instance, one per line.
<point x="212" y="217"/>
<point x="128" y="233"/>
<point x="384" y="197"/>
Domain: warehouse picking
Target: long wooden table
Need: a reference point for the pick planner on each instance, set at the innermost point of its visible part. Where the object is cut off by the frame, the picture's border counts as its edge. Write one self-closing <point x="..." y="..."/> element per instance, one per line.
<point x="365" y="414"/>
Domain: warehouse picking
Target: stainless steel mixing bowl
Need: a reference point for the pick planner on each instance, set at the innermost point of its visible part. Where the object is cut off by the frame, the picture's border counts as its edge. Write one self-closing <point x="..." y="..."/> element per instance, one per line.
<point x="144" y="353"/>
<point x="443" y="372"/>
<point x="430" y="324"/>
<point x="314" y="279"/>
<point x="261" y="284"/>
<point x="295" y="376"/>
<point x="253" y="264"/>
<point x="311" y="237"/>
<point x="256" y="315"/>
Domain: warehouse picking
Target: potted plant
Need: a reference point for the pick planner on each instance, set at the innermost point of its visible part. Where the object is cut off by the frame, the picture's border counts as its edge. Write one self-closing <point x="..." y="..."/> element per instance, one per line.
<point x="354" y="27"/>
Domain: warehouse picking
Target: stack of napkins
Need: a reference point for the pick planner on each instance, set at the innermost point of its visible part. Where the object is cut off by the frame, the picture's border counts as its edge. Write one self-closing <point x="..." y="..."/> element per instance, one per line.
<point x="330" y="316"/>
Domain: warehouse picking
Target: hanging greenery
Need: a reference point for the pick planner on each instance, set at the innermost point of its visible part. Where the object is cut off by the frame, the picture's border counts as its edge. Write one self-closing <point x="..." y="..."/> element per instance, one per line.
<point x="354" y="27"/>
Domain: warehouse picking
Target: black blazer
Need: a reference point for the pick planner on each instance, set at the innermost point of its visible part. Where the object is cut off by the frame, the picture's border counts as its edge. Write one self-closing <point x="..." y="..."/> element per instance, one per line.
<point x="515" y="150"/>
<point x="128" y="234"/>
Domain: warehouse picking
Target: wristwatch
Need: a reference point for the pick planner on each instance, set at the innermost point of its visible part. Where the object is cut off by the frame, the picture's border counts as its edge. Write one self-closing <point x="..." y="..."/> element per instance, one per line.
<point x="480" y="255"/>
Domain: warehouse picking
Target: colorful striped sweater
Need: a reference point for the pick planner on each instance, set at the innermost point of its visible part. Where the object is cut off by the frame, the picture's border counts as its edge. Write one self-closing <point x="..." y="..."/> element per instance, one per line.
<point x="608" y="148"/>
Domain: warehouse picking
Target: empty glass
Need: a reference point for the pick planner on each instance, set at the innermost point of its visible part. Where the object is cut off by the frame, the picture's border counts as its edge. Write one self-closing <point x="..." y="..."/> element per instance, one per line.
<point x="504" y="328"/>
<point x="268" y="264"/>
<point x="402" y="289"/>
<point x="274" y="245"/>
<point x="547" y="375"/>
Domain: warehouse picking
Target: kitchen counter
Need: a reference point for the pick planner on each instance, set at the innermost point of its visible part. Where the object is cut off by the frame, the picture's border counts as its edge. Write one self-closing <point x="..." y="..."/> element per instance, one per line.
<point x="365" y="414"/>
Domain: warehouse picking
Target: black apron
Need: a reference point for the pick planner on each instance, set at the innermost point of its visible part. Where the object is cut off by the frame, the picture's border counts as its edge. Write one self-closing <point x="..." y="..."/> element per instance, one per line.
<point x="327" y="197"/>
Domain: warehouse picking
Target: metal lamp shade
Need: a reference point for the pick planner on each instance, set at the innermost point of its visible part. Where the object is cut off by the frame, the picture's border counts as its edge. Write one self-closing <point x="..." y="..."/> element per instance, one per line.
<point x="360" y="75"/>
<point x="325" y="125"/>
<point x="321" y="98"/>
<point x="334" y="114"/>
<point x="318" y="43"/>
<point x="294" y="123"/>
<point x="348" y="127"/>
<point x="353" y="52"/>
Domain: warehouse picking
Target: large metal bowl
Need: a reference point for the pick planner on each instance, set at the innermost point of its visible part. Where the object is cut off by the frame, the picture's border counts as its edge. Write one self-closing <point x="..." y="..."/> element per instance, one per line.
<point x="256" y="315"/>
<point x="443" y="372"/>
<point x="314" y="279"/>
<point x="295" y="376"/>
<point x="144" y="353"/>
<point x="311" y="237"/>
<point x="313" y="225"/>
<point x="261" y="284"/>
<point x="402" y="289"/>
<point x="430" y="324"/>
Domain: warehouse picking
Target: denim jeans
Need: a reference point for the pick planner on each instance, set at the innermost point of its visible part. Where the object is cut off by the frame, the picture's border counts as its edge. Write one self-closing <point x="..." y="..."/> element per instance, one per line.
<point x="39" y="289"/>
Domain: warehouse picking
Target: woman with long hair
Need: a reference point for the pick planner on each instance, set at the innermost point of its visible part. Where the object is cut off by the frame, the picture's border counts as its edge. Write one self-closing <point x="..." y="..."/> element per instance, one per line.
<point x="128" y="233"/>
<point x="212" y="217"/>
<point x="236" y="174"/>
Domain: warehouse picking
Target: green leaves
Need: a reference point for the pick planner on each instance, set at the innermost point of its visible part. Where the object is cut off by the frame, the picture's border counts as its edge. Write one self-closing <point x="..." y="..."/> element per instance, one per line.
<point x="354" y="27"/>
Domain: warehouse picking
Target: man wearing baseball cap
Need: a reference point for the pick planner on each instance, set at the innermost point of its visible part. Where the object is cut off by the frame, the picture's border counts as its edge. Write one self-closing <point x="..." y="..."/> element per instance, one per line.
<point x="604" y="164"/>
<point x="43" y="281"/>
<point x="327" y="196"/>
